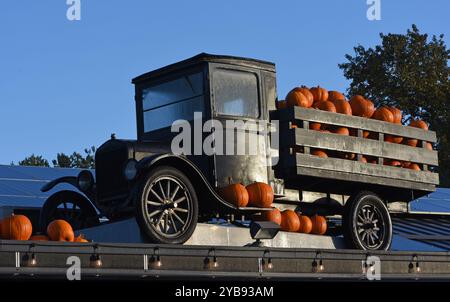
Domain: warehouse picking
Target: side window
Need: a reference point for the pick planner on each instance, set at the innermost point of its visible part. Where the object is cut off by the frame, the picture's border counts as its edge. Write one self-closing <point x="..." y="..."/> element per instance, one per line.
<point x="176" y="99"/>
<point x="236" y="93"/>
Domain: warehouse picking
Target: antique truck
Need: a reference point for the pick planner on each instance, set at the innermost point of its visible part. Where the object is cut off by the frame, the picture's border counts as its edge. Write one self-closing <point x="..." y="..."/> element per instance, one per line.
<point x="170" y="193"/>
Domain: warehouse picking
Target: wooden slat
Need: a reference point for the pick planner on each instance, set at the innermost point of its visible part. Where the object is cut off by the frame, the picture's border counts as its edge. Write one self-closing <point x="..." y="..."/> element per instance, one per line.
<point x="330" y="141"/>
<point x="337" y="175"/>
<point x="307" y="114"/>
<point x="354" y="167"/>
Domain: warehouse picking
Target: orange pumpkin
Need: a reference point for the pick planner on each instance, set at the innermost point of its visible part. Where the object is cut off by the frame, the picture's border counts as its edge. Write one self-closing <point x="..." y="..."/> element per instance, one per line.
<point x="16" y="227"/>
<point x="415" y="167"/>
<point x="397" y="113"/>
<point x="335" y="95"/>
<point x="289" y="221"/>
<point x="305" y="224"/>
<point x="60" y="230"/>
<point x="80" y="238"/>
<point x="296" y="98"/>
<point x="383" y="114"/>
<point x="341" y="131"/>
<point x="392" y="163"/>
<point x="342" y="106"/>
<point x="419" y="124"/>
<point x="412" y="142"/>
<point x="393" y="139"/>
<point x="361" y="107"/>
<point x="349" y="156"/>
<point x="319" y="153"/>
<point x="235" y="194"/>
<point x="273" y="215"/>
<point x="308" y="94"/>
<point x="39" y="238"/>
<point x="319" y="225"/>
<point x="281" y="104"/>
<point x="314" y="126"/>
<point x="326" y="106"/>
<point x="319" y="94"/>
<point x="429" y="146"/>
<point x="363" y="160"/>
<point x="260" y="195"/>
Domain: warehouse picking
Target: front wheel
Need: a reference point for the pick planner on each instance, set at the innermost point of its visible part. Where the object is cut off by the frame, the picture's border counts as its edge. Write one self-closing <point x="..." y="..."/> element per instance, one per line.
<point x="167" y="206"/>
<point x="367" y="223"/>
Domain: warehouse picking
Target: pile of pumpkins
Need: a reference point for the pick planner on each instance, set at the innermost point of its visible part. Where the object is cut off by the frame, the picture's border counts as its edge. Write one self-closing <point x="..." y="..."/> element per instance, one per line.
<point x="260" y="195"/>
<point x="291" y="221"/>
<point x="334" y="101"/>
<point x="19" y="227"/>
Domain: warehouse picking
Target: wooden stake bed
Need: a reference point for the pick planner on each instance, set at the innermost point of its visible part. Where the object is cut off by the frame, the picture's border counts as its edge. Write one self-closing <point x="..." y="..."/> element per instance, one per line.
<point x="295" y="166"/>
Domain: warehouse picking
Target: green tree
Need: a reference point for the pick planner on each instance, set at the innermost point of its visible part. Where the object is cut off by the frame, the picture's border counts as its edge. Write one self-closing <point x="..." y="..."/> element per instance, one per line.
<point x="34" y="160"/>
<point x="76" y="160"/>
<point x="409" y="71"/>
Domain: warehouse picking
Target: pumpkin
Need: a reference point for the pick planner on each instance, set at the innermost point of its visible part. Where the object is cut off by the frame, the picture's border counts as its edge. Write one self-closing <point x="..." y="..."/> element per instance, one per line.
<point x="361" y="107"/>
<point x="415" y="167"/>
<point x="235" y="194"/>
<point x="307" y="93"/>
<point x="16" y="227"/>
<point x="39" y="238"/>
<point x="349" y="156"/>
<point x="412" y="142"/>
<point x="335" y="95"/>
<point x="397" y="113"/>
<point x="383" y="114"/>
<point x="393" y="139"/>
<point x="341" y="131"/>
<point x="342" y="106"/>
<point x="260" y="195"/>
<point x="429" y="146"/>
<point x="289" y="221"/>
<point x="419" y="124"/>
<point x="80" y="238"/>
<point x="319" y="225"/>
<point x="314" y="126"/>
<point x="273" y="215"/>
<point x="319" y="94"/>
<point x="392" y="163"/>
<point x="281" y="104"/>
<point x="354" y="132"/>
<point x="363" y="160"/>
<point x="305" y="224"/>
<point x="319" y="153"/>
<point x="296" y="98"/>
<point x="326" y="106"/>
<point x="60" y="230"/>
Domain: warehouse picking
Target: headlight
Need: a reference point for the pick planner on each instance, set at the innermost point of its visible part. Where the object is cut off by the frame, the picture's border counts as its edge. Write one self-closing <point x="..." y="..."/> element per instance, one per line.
<point x="130" y="170"/>
<point x="85" y="180"/>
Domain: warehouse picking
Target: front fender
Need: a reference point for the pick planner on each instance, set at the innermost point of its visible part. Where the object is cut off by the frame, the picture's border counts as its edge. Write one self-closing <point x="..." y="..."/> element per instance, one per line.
<point x="65" y="179"/>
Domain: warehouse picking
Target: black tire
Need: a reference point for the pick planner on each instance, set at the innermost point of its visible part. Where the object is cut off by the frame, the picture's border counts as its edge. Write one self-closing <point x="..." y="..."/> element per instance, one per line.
<point x="366" y="223"/>
<point x="70" y="206"/>
<point x="167" y="206"/>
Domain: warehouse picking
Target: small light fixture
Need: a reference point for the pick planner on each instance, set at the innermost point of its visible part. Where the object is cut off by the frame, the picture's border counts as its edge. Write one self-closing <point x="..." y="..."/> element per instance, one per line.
<point x="156" y="259"/>
<point x="414" y="266"/>
<point x="208" y="264"/>
<point x="317" y="266"/>
<point x="96" y="260"/>
<point x="31" y="260"/>
<point x="267" y="265"/>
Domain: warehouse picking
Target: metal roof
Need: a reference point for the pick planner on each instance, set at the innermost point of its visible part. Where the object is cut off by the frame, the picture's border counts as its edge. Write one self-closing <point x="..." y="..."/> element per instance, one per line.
<point x="21" y="186"/>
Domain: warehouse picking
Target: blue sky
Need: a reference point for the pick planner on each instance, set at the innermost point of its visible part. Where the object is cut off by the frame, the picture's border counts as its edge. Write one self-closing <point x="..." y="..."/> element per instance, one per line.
<point x="65" y="85"/>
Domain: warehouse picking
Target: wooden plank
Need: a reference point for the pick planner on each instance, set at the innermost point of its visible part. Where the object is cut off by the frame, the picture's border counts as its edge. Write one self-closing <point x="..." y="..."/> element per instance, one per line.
<point x="330" y="141"/>
<point x="354" y="167"/>
<point x="313" y="115"/>
<point x="350" y="177"/>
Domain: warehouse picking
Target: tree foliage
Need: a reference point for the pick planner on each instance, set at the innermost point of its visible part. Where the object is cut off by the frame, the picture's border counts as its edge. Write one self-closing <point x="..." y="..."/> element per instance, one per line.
<point x="409" y="71"/>
<point x="76" y="160"/>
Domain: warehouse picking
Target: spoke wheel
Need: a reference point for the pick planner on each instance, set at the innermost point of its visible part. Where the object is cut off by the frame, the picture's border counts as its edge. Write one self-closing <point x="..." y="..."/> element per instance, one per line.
<point x="71" y="207"/>
<point x="168" y="206"/>
<point x="367" y="223"/>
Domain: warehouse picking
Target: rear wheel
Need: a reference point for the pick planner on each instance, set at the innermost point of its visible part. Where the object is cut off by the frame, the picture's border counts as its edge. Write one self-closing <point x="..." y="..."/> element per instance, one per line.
<point x="367" y="223"/>
<point x="70" y="206"/>
<point x="167" y="206"/>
